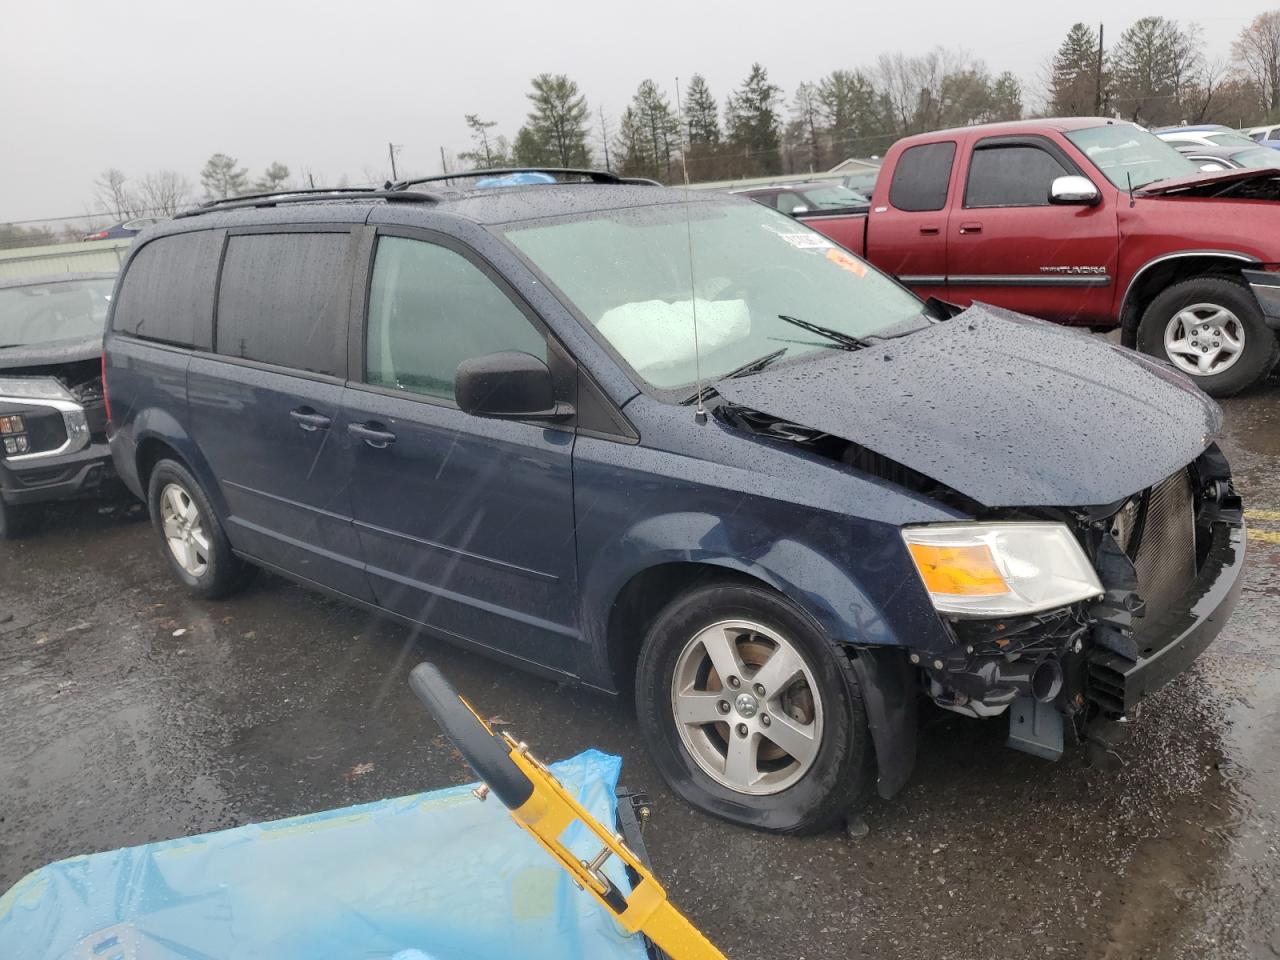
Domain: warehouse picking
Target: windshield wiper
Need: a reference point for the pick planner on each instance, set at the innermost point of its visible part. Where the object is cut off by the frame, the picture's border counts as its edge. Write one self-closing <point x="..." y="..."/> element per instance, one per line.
<point x="843" y="341"/>
<point x="751" y="366"/>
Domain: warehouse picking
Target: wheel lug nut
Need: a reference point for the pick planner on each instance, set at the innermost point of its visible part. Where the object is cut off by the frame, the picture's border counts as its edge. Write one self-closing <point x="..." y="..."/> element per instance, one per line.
<point x="764" y="720"/>
<point x="759" y="688"/>
<point x="742" y="729"/>
<point x="735" y="683"/>
<point x="723" y="706"/>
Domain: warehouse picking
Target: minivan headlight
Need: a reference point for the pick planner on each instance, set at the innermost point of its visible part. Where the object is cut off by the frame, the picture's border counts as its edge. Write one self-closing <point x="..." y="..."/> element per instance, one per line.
<point x="1000" y="569"/>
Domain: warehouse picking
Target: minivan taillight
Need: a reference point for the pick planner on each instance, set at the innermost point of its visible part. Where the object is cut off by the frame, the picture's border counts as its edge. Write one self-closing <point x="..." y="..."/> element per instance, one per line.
<point x="106" y="397"/>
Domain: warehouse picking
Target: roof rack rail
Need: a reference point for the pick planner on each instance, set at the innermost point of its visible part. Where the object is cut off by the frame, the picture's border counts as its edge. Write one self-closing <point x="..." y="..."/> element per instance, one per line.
<point x="595" y="176"/>
<point x="222" y="201"/>
<point x="309" y="196"/>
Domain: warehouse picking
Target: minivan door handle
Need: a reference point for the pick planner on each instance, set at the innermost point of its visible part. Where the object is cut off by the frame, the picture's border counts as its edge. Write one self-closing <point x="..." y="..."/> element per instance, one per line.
<point x="372" y="434"/>
<point x="972" y="227"/>
<point x="309" y="420"/>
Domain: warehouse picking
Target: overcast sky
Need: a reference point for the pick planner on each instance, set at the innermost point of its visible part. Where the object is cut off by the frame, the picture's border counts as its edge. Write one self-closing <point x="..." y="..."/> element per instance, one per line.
<point x="144" y="85"/>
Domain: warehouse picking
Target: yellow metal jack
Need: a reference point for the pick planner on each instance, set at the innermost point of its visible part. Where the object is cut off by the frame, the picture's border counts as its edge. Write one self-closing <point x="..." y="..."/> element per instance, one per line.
<point x="538" y="803"/>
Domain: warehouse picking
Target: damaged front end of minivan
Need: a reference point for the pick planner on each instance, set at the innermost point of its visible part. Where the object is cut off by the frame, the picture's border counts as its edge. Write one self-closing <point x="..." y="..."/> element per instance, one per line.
<point x="1141" y="581"/>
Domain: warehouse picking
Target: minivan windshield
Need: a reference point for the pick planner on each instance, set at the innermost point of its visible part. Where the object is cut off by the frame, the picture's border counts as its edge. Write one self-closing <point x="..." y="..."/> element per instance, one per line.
<point x="758" y="282"/>
<point x="46" y="311"/>
<point x="1126" y="153"/>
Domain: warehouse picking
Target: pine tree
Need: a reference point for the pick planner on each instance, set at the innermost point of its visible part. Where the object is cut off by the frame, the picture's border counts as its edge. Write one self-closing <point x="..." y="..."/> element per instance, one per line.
<point x="658" y="127"/>
<point x="487" y="152"/>
<point x="272" y="179"/>
<point x="751" y="116"/>
<point x="1155" y="64"/>
<point x="852" y="111"/>
<point x="702" y="117"/>
<point x="558" y="121"/>
<point x="221" y="178"/>
<point x="1073" y="82"/>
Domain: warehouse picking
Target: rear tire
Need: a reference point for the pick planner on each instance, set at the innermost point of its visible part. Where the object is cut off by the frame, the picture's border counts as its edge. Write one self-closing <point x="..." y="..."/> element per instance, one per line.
<point x="191" y="536"/>
<point x="19" y="521"/>
<point x="814" y="709"/>
<point x="1212" y="329"/>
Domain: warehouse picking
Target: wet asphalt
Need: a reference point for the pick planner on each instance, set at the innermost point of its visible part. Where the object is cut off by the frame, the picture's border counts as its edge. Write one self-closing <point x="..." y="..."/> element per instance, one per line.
<point x="131" y="713"/>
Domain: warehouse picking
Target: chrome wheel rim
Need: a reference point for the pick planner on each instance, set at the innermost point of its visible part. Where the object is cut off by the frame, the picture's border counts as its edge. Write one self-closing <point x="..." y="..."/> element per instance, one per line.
<point x="1204" y="339"/>
<point x="184" y="531"/>
<point x="747" y="707"/>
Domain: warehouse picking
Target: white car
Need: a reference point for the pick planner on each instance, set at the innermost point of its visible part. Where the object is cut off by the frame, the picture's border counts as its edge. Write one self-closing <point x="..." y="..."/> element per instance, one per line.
<point x="1206" y="135"/>
<point x="1262" y="134"/>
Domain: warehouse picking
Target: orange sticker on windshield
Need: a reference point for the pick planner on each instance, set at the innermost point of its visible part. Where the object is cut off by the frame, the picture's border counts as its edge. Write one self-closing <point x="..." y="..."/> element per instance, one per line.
<point x="847" y="261"/>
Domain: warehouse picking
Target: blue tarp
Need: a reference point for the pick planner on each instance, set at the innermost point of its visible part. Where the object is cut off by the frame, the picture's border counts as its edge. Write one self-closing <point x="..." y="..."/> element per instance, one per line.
<point x="439" y="873"/>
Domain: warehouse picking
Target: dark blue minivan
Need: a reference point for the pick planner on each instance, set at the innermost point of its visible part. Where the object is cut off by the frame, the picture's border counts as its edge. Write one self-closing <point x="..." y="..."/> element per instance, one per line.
<point x="678" y="445"/>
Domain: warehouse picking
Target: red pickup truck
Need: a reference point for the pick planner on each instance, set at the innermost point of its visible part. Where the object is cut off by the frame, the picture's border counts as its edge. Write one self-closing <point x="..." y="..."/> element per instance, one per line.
<point x="1091" y="222"/>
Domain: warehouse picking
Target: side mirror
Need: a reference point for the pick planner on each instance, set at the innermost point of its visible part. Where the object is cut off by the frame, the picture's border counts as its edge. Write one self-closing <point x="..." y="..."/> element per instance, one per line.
<point x="507" y="386"/>
<point x="1074" y="190"/>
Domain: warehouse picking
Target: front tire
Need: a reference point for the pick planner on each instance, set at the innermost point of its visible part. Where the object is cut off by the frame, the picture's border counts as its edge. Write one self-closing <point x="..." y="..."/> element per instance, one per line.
<point x="750" y="713"/>
<point x="1212" y="329"/>
<point x="191" y="537"/>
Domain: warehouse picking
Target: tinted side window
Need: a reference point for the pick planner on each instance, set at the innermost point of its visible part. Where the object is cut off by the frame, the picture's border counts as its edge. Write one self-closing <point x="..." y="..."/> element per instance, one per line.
<point x="921" y="177"/>
<point x="1012" y="176"/>
<point x="429" y="309"/>
<point x="167" y="291"/>
<point x="284" y="299"/>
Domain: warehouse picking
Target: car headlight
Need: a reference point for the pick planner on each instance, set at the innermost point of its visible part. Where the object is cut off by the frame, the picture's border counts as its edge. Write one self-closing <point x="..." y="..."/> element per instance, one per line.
<point x="1000" y="569"/>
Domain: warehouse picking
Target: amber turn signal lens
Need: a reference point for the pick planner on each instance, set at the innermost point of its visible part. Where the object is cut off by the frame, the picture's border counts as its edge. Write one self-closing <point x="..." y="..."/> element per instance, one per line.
<point x="965" y="571"/>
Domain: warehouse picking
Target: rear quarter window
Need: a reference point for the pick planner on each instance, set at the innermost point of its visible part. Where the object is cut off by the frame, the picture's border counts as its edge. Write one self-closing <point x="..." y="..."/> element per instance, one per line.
<point x="921" y="177"/>
<point x="168" y="289"/>
<point x="284" y="300"/>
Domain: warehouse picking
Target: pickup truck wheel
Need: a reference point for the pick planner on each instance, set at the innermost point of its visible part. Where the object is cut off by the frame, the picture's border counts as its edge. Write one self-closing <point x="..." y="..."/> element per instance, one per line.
<point x="1210" y="328"/>
<point x="750" y="713"/>
<point x="18" y="521"/>
<point x="191" y="536"/>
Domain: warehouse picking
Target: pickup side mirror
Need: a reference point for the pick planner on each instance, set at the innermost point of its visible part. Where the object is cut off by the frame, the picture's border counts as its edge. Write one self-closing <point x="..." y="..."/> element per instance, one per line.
<point x="507" y="386"/>
<point x="1074" y="190"/>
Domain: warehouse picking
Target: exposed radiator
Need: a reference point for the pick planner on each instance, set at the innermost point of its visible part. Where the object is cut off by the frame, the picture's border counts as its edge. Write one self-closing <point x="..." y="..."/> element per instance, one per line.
<point x="1166" y="554"/>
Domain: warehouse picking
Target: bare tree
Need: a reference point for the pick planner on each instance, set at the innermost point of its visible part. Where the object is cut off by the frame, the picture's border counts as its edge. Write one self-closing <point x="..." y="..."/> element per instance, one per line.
<point x="114" y="197"/>
<point x="163" y="193"/>
<point x="1257" y="53"/>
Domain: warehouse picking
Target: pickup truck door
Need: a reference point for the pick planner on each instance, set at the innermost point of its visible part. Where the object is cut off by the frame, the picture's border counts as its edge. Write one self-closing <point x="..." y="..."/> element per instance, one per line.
<point x="907" y="226"/>
<point x="1011" y="247"/>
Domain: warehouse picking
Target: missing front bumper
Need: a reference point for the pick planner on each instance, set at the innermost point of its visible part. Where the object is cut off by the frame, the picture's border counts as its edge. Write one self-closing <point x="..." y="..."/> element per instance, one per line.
<point x="1168" y="644"/>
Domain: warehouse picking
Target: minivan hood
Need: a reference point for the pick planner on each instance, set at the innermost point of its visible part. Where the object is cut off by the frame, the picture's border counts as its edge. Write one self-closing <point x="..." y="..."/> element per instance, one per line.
<point x="1007" y="410"/>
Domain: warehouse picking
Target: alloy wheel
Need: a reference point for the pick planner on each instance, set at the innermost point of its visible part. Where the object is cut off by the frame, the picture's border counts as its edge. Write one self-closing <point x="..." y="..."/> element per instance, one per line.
<point x="184" y="531"/>
<point x="747" y="707"/>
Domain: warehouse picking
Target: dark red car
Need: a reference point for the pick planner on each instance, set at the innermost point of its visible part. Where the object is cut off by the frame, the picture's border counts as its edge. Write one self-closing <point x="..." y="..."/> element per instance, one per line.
<point x="1090" y="222"/>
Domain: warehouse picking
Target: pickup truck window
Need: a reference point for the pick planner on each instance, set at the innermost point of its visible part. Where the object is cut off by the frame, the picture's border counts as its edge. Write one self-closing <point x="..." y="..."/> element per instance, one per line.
<point x="1016" y="175"/>
<point x="1124" y="152"/>
<point x="921" y="177"/>
<point x="637" y="275"/>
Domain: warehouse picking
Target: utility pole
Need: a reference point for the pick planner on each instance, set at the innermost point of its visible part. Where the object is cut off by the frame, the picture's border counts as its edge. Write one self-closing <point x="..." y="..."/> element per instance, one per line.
<point x="1097" y="81"/>
<point x="391" y="152"/>
<point x="604" y="138"/>
<point x="444" y="163"/>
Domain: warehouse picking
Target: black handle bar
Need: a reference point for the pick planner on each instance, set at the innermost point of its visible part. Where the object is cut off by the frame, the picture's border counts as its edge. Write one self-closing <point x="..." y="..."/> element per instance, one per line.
<point x="487" y="752"/>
